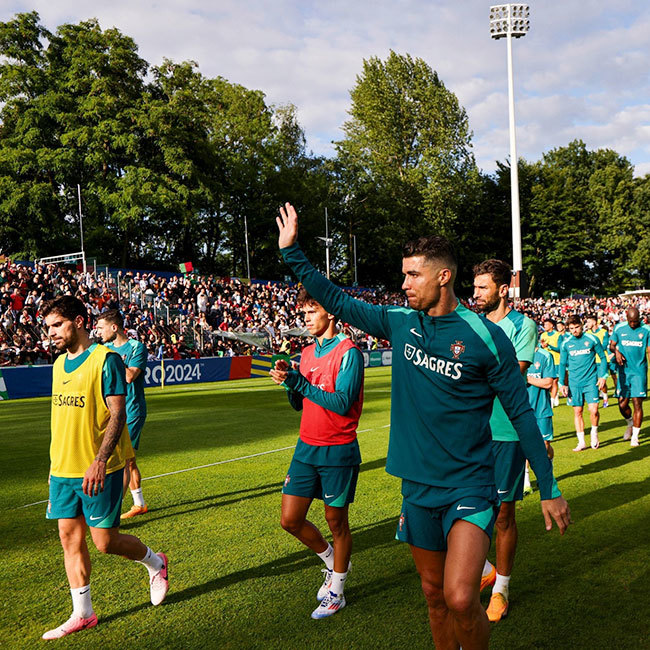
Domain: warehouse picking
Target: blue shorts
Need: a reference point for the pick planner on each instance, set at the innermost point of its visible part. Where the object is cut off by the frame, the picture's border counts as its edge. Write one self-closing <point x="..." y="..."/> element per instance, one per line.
<point x="632" y="386"/>
<point x="509" y="466"/>
<point x="579" y="394"/>
<point x="335" y="485"/>
<point x="68" y="501"/>
<point x="546" y="427"/>
<point x="135" y="429"/>
<point x="428" y="528"/>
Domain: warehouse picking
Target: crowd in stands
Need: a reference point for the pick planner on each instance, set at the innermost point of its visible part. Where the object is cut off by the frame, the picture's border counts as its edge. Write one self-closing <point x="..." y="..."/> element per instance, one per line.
<point x="180" y="316"/>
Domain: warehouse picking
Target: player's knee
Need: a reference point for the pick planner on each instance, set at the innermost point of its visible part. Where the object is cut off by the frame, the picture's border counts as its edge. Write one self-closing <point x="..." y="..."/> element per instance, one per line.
<point x="70" y="539"/>
<point x="291" y="524"/>
<point x="104" y="541"/>
<point x="337" y="523"/>
<point x="433" y="594"/>
<point x="460" y="601"/>
<point x="505" y="519"/>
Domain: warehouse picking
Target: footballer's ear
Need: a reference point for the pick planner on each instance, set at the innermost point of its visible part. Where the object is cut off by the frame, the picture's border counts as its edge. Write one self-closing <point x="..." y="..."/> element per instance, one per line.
<point x="445" y="276"/>
<point x="504" y="289"/>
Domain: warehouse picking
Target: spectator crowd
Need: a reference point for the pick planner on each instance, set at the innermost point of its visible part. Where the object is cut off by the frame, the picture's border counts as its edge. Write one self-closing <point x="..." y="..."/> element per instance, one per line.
<point x="180" y="316"/>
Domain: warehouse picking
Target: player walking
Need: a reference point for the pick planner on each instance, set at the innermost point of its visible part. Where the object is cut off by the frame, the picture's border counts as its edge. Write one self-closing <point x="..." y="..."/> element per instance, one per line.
<point x="110" y="327"/>
<point x="593" y="327"/>
<point x="578" y="358"/>
<point x="491" y="286"/>
<point x="88" y="450"/>
<point x="329" y="391"/>
<point x="630" y="344"/>
<point x="550" y="340"/>
<point x="447" y="365"/>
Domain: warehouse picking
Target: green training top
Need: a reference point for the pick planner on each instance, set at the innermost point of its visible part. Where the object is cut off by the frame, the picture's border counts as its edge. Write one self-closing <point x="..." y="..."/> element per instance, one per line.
<point x="578" y="356"/>
<point x="522" y="332"/>
<point x="134" y="355"/>
<point x="446" y="372"/>
<point x="632" y="343"/>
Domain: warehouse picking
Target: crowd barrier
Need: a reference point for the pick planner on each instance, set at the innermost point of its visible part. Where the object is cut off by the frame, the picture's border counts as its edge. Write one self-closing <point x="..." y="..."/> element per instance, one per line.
<point x="17" y="382"/>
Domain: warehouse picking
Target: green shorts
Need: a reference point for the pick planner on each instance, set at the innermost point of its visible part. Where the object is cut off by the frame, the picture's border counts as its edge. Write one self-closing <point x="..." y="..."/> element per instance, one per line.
<point x="135" y="429"/>
<point x="632" y="385"/>
<point x="334" y="485"/>
<point x="428" y="528"/>
<point x="68" y="501"/>
<point x="579" y="394"/>
<point x="546" y="427"/>
<point x="509" y="466"/>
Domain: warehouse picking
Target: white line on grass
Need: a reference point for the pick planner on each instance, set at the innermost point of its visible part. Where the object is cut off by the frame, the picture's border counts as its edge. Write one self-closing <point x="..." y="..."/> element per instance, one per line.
<point x="219" y="462"/>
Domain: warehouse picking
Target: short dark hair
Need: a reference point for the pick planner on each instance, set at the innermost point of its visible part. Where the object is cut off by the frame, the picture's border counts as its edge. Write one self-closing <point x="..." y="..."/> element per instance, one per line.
<point x="574" y="319"/>
<point x="67" y="306"/>
<point x="112" y="316"/>
<point x="305" y="298"/>
<point x="592" y="317"/>
<point x="500" y="271"/>
<point x="548" y="319"/>
<point x="432" y="248"/>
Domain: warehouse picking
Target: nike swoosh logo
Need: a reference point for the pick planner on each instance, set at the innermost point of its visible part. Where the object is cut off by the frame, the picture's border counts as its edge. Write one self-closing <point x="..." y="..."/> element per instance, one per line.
<point x="67" y="382"/>
<point x="94" y="518"/>
<point x="414" y="331"/>
<point x="329" y="496"/>
<point x="502" y="491"/>
<point x="84" y="592"/>
<point x="465" y="508"/>
<point x="314" y="369"/>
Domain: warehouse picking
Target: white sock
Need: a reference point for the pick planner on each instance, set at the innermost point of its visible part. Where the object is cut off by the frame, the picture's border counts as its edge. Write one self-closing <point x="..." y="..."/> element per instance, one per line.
<point x="152" y="562"/>
<point x="138" y="500"/>
<point x="487" y="568"/>
<point x="630" y="421"/>
<point x="581" y="438"/>
<point x="635" y="433"/>
<point x="81" y="603"/>
<point x="604" y="396"/>
<point x="594" y="431"/>
<point x="502" y="585"/>
<point x="526" y="477"/>
<point x="328" y="557"/>
<point x="338" y="582"/>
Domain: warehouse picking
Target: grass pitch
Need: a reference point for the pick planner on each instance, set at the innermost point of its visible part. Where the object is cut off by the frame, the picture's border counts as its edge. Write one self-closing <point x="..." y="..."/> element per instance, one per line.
<point x="239" y="581"/>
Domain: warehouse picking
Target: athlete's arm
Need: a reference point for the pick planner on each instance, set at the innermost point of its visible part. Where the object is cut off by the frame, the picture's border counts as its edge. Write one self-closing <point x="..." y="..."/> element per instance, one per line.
<point x="95" y="475"/>
<point x="562" y="374"/>
<point x="602" y="364"/>
<point x="370" y="318"/>
<point x="137" y="363"/>
<point x="545" y="382"/>
<point x="347" y="387"/>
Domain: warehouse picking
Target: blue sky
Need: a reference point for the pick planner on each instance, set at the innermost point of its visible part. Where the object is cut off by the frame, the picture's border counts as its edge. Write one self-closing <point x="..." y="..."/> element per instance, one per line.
<point x="581" y="72"/>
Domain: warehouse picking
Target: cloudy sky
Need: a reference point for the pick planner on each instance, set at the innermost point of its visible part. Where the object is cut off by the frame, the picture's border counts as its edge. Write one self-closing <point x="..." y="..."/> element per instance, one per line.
<point x="581" y="72"/>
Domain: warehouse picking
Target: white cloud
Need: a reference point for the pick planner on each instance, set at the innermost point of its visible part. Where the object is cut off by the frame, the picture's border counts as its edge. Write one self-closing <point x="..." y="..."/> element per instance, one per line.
<point x="580" y="72"/>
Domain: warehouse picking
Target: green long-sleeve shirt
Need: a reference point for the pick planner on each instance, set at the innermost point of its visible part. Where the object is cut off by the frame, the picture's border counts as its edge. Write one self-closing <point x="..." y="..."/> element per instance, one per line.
<point x="446" y="372"/>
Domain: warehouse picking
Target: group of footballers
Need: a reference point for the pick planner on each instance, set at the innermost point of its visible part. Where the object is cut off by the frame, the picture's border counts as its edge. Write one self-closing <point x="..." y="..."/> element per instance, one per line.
<point x="470" y="404"/>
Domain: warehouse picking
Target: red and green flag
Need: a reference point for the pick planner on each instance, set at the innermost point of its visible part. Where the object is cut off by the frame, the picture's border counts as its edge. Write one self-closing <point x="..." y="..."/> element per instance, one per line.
<point x="186" y="267"/>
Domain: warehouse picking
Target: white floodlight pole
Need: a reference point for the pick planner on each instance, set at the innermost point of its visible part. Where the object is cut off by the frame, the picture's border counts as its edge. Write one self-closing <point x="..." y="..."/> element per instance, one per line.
<point x="248" y="261"/>
<point x="81" y="227"/>
<point x="354" y="241"/>
<point x="508" y="21"/>
<point x="327" y="247"/>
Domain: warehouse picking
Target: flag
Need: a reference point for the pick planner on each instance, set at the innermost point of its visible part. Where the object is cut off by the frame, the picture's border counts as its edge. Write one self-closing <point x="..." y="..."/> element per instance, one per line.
<point x="3" y="388"/>
<point x="186" y="267"/>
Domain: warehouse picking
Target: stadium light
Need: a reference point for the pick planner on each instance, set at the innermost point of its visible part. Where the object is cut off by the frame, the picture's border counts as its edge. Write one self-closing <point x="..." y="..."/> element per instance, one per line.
<point x="512" y="21"/>
<point x="328" y="241"/>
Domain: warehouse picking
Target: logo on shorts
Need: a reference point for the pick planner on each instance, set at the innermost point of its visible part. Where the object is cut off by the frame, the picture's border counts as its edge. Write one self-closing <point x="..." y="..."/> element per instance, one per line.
<point x="287" y="480"/>
<point x="457" y="348"/>
<point x="459" y="507"/>
<point x="402" y="519"/>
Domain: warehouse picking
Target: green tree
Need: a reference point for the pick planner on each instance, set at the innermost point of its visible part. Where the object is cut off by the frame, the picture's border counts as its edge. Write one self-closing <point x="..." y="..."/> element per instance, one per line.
<point x="405" y="166"/>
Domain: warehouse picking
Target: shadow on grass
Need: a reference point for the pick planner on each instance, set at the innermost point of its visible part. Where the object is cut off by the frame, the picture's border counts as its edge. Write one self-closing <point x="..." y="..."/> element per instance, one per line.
<point x="629" y="456"/>
<point x="221" y="499"/>
<point x="608" y="498"/>
<point x="374" y="535"/>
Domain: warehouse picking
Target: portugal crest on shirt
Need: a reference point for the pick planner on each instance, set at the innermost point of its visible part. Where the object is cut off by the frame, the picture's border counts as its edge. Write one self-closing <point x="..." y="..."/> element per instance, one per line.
<point x="457" y="348"/>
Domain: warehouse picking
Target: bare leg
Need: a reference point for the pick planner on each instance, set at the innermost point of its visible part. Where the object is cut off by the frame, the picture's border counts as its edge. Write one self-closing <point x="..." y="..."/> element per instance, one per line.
<point x="467" y="547"/>
<point x="72" y="533"/>
<point x="638" y="411"/>
<point x="624" y="407"/>
<point x="594" y="415"/>
<point x="135" y="479"/>
<point x="294" y="521"/>
<point x="506" y="538"/>
<point x="110" y="540"/>
<point x="577" y="419"/>
<point x="337" y="520"/>
<point x="431" y="567"/>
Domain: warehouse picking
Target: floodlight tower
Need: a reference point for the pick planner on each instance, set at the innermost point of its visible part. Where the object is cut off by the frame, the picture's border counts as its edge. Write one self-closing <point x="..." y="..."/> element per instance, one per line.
<point x="511" y="21"/>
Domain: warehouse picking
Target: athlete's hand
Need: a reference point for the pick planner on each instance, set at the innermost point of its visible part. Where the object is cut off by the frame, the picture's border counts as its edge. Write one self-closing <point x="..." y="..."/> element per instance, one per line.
<point x="287" y="225"/>
<point x="564" y="390"/>
<point x="543" y="343"/>
<point x="280" y="372"/>
<point x="620" y="359"/>
<point x="556" y="509"/>
<point x="601" y="383"/>
<point x="94" y="478"/>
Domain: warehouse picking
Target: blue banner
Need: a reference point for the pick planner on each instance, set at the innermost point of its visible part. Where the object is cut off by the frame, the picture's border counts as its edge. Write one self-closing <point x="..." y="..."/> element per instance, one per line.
<point x="187" y="371"/>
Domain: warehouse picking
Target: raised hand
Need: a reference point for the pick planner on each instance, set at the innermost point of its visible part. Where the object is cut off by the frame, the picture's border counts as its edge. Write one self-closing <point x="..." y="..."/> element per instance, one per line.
<point x="287" y="225"/>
